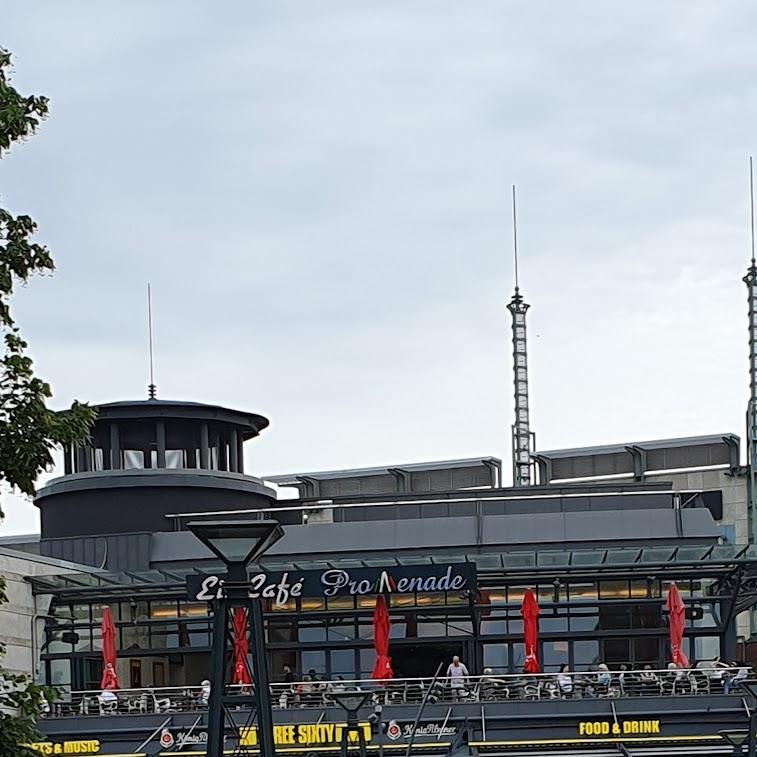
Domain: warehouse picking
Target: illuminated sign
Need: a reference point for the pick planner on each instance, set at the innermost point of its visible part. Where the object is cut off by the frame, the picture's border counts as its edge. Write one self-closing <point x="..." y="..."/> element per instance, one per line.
<point x="90" y="746"/>
<point x="618" y="728"/>
<point x="305" y="734"/>
<point x="281" y="588"/>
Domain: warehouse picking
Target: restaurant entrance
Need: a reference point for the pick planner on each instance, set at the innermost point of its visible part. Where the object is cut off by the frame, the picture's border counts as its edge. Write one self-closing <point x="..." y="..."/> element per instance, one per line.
<point x="422" y="660"/>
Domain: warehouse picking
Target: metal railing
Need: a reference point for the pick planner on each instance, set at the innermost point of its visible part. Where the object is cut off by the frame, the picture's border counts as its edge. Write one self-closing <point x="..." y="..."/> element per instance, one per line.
<point x="317" y="694"/>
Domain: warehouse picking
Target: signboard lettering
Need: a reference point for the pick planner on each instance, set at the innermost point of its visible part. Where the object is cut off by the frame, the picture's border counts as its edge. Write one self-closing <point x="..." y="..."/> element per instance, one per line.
<point x="304" y="734"/>
<point x="89" y="746"/>
<point x="281" y="588"/>
<point x="622" y="727"/>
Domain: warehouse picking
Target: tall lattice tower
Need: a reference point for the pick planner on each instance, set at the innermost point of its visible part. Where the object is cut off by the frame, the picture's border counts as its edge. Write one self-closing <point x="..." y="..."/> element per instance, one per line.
<point x="522" y="440"/>
<point x="751" y="415"/>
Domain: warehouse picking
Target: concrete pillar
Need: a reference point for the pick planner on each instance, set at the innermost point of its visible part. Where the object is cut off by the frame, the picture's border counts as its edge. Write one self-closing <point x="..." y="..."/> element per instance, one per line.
<point x="115" y="447"/>
<point x="234" y="451"/>
<point x="240" y="454"/>
<point x="204" y="445"/>
<point x="160" y="438"/>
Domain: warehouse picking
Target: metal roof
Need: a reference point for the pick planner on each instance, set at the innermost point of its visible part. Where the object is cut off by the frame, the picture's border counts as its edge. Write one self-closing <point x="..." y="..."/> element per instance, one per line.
<point x="671" y="559"/>
<point x="609" y="449"/>
<point x="471" y="462"/>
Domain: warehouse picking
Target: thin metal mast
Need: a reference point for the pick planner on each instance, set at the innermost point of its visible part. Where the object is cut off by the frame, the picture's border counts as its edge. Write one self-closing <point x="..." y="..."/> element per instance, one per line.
<point x="521" y="434"/>
<point x="151" y="389"/>
<point x="751" y="416"/>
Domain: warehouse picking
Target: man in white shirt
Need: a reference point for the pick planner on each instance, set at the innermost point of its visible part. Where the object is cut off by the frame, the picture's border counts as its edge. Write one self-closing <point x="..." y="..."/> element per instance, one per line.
<point x="457" y="674"/>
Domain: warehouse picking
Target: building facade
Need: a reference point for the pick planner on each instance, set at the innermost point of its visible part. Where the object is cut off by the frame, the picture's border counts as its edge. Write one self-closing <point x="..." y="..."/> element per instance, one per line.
<point x="600" y="556"/>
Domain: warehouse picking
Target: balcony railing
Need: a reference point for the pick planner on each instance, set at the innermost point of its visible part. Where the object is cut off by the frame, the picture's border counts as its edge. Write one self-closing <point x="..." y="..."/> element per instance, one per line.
<point x="412" y="691"/>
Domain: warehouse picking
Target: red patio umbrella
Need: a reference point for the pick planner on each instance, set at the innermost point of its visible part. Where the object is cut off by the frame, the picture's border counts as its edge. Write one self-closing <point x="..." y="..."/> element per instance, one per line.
<point x="383" y="666"/>
<point x="676" y="620"/>
<point x="530" y="612"/>
<point x="240" y="674"/>
<point x="109" y="678"/>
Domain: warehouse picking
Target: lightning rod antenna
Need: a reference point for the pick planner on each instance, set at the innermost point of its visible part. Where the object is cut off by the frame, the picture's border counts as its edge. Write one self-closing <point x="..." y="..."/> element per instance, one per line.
<point x="515" y="240"/>
<point x="151" y="389"/>
<point x="751" y="204"/>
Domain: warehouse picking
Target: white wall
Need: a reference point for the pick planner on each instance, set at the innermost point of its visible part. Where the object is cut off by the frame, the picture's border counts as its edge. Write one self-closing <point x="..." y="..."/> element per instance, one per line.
<point x="16" y="616"/>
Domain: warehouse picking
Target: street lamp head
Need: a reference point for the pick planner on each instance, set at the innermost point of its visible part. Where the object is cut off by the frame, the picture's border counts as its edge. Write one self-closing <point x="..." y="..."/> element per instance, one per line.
<point x="237" y="542"/>
<point x="735" y="738"/>
<point x="351" y="701"/>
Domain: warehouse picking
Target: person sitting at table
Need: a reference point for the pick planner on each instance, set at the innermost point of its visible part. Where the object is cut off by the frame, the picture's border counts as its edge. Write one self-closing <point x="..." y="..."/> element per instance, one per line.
<point x="650" y="681"/>
<point x="205" y="692"/>
<point x="107" y="700"/>
<point x="732" y="682"/>
<point x="603" y="680"/>
<point x="565" y="682"/>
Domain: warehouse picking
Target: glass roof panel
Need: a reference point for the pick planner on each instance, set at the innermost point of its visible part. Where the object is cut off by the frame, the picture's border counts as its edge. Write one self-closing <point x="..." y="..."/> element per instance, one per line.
<point x="488" y="562"/>
<point x="447" y="559"/>
<point x="417" y="560"/>
<point x="381" y="562"/>
<point x="312" y="565"/>
<point x="726" y="552"/>
<point x="276" y="567"/>
<point x="519" y="559"/>
<point x="553" y="557"/>
<point x="588" y="557"/>
<point x="750" y="553"/>
<point x="622" y="556"/>
<point x="657" y="554"/>
<point x="345" y="564"/>
<point x="691" y="554"/>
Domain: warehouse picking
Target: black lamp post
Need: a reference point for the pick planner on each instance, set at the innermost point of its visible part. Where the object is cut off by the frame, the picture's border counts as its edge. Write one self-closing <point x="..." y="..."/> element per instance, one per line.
<point x="351" y="702"/>
<point x="237" y="543"/>
<point x="736" y="739"/>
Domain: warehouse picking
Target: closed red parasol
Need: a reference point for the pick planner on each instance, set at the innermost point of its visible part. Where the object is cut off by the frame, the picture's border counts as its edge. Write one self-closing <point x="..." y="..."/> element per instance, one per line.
<point x="530" y="612"/>
<point x="240" y="674"/>
<point x="109" y="678"/>
<point x="676" y="620"/>
<point x="383" y="666"/>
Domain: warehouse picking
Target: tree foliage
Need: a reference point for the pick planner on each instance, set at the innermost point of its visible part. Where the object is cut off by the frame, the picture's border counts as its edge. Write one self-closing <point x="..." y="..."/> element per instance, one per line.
<point x="29" y="430"/>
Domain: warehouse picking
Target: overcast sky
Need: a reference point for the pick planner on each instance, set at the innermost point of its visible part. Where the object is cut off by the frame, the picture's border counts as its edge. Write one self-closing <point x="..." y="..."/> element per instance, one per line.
<point x="319" y="194"/>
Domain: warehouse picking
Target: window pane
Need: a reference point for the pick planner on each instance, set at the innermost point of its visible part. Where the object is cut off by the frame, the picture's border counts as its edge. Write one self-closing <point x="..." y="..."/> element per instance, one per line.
<point x="646" y="650"/>
<point x="341" y="631"/>
<point x="426" y="628"/>
<point x="60" y="673"/>
<point x="614" y="617"/>
<point x="554" y="654"/>
<point x="613" y="589"/>
<point x="343" y="663"/>
<point x="584" y="619"/>
<point x="133" y="458"/>
<point x="56" y="645"/>
<point x="459" y="628"/>
<point x="616" y="651"/>
<point x="493" y="626"/>
<point x="312" y="632"/>
<point x="549" y="623"/>
<point x="160" y="610"/>
<point x="496" y="657"/>
<point x="585" y="654"/>
<point x="314" y="659"/>
<point x="582" y="591"/>
<point x="706" y="648"/>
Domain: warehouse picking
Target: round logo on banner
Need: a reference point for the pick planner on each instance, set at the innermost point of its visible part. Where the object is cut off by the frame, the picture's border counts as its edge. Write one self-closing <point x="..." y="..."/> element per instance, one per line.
<point x="166" y="738"/>
<point x="393" y="731"/>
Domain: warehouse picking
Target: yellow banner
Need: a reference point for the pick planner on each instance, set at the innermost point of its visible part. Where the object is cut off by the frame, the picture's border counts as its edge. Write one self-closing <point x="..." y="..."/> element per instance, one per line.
<point x="90" y="746"/>
<point x="305" y="734"/>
